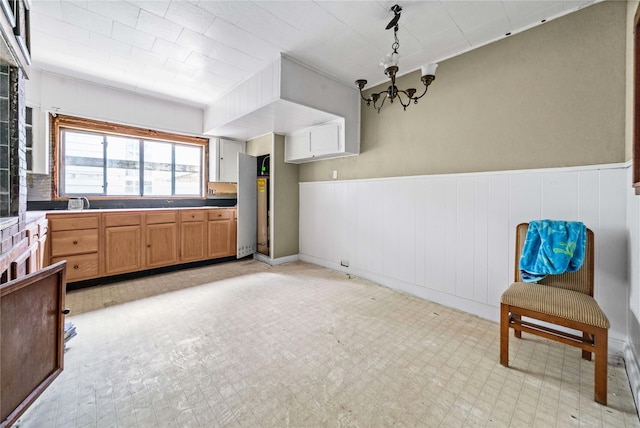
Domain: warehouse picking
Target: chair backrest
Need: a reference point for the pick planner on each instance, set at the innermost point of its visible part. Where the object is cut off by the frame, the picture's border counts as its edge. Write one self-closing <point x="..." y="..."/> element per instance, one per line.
<point x="580" y="280"/>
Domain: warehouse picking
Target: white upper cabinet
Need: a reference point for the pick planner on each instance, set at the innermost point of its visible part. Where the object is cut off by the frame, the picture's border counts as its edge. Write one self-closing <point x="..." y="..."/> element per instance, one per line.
<point x="37" y="144"/>
<point x="223" y="159"/>
<point x="315" y="143"/>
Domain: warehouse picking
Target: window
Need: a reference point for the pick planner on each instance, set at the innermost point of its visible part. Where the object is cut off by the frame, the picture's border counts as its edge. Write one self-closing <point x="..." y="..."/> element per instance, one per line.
<point x="125" y="162"/>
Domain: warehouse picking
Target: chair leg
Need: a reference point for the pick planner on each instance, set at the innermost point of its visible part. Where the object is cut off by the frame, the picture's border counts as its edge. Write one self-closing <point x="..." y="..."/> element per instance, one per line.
<point x="586" y="355"/>
<point x="504" y="335"/>
<point x="517" y="333"/>
<point x="601" y="351"/>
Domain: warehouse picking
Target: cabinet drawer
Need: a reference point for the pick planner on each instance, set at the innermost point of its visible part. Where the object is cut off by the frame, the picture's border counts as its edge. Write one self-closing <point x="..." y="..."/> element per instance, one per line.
<point x="74" y="223"/>
<point x="219" y="214"/>
<point x="127" y="219"/>
<point x="32" y="232"/>
<point x="74" y="242"/>
<point x="43" y="227"/>
<point x="79" y="267"/>
<point x="192" y="215"/>
<point x="161" y="217"/>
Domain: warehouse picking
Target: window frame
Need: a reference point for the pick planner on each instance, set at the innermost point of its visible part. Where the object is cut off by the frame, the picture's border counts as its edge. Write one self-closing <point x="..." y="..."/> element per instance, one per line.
<point x="636" y="102"/>
<point x="60" y="122"/>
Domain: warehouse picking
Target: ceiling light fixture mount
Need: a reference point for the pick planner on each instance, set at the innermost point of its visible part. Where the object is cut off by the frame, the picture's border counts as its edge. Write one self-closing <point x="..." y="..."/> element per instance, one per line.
<point x="390" y="64"/>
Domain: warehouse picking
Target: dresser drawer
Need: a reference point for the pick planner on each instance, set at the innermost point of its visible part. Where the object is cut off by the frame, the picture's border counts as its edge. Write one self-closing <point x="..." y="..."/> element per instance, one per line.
<point x="74" y="242"/>
<point x="73" y="223"/>
<point x="161" y="217"/>
<point x="220" y="214"/>
<point x="192" y="215"/>
<point x="84" y="266"/>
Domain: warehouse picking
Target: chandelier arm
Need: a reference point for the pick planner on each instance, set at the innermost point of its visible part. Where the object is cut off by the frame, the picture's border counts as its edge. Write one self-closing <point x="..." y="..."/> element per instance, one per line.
<point x="426" y="80"/>
<point x="383" y="100"/>
<point x="416" y="98"/>
<point x="406" y="95"/>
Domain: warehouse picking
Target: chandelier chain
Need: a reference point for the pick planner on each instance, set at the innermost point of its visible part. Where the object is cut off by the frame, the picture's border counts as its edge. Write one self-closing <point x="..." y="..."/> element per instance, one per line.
<point x="396" y="44"/>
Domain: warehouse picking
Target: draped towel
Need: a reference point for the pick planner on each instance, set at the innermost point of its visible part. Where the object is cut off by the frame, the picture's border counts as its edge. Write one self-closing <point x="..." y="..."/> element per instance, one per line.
<point x="552" y="247"/>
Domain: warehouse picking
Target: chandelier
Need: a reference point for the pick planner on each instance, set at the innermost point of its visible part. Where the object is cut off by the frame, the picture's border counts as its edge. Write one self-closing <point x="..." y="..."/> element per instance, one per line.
<point x="390" y="64"/>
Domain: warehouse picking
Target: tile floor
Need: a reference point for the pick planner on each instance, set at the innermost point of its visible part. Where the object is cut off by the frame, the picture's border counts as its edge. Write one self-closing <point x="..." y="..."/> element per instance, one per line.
<point x="244" y="344"/>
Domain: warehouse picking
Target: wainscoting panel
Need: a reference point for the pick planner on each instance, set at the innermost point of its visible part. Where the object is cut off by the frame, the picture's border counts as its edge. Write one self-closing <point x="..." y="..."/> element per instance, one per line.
<point x="451" y="238"/>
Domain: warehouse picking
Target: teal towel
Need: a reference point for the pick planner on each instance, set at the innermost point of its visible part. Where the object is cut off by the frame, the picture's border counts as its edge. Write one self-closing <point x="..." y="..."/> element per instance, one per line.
<point x="552" y="247"/>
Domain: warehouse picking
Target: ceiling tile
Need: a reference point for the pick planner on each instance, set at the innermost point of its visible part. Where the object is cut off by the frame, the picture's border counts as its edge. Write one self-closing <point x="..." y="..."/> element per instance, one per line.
<point x="50" y="8"/>
<point x="190" y="16"/>
<point x="98" y="41"/>
<point x="308" y="17"/>
<point x="196" y="42"/>
<point x="236" y="58"/>
<point x="180" y="68"/>
<point x="170" y="50"/>
<point x="157" y="7"/>
<point x="157" y="26"/>
<point x="225" y="71"/>
<point x="148" y="58"/>
<point x="44" y="24"/>
<point x="270" y="28"/>
<point x="245" y="41"/>
<point x="132" y="36"/>
<point x="119" y="11"/>
<point x="86" y="19"/>
<point x="230" y="11"/>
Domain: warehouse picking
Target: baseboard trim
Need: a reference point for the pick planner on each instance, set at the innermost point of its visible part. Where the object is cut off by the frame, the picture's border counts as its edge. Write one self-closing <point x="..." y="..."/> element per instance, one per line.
<point x="275" y="262"/>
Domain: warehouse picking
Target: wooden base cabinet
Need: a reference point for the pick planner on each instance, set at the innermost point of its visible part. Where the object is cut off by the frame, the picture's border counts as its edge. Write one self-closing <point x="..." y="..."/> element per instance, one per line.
<point x="161" y="239"/>
<point x="193" y="246"/>
<point x="122" y="235"/>
<point x="220" y="238"/>
<point x="116" y="242"/>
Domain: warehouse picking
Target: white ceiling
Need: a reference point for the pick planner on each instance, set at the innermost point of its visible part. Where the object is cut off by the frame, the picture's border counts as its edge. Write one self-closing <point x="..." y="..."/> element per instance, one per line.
<point x="196" y="50"/>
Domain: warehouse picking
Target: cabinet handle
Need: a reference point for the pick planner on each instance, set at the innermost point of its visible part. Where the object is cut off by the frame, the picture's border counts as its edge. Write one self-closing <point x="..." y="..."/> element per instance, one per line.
<point x="193" y="216"/>
<point x="75" y="242"/>
<point x="75" y="266"/>
<point x="148" y="245"/>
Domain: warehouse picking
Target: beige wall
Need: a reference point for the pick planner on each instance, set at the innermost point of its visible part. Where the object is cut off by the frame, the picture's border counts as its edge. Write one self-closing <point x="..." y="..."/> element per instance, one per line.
<point x="284" y="202"/>
<point x="259" y="146"/>
<point x="551" y="96"/>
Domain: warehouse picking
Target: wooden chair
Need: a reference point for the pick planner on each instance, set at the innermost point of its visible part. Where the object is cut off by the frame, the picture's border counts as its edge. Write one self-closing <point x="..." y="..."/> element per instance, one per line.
<point x="564" y="300"/>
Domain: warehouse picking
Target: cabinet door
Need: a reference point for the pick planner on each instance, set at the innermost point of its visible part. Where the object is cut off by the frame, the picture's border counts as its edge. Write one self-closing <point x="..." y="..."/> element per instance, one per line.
<point x="192" y="241"/>
<point x="325" y="140"/>
<point x="219" y="239"/>
<point x="161" y="244"/>
<point x="122" y="249"/>
<point x="229" y="160"/>
<point x="297" y="146"/>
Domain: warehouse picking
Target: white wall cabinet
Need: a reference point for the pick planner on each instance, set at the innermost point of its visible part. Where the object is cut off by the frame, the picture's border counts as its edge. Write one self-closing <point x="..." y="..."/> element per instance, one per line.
<point x="38" y="141"/>
<point x="223" y="159"/>
<point x="317" y="142"/>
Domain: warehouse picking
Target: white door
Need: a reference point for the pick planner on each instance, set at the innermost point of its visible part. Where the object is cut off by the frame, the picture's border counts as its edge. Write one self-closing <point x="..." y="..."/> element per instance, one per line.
<point x="247" y="204"/>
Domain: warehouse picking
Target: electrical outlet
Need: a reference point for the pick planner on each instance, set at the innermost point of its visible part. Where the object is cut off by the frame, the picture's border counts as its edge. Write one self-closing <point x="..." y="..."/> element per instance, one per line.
<point x="344" y="263"/>
<point x="334" y="175"/>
